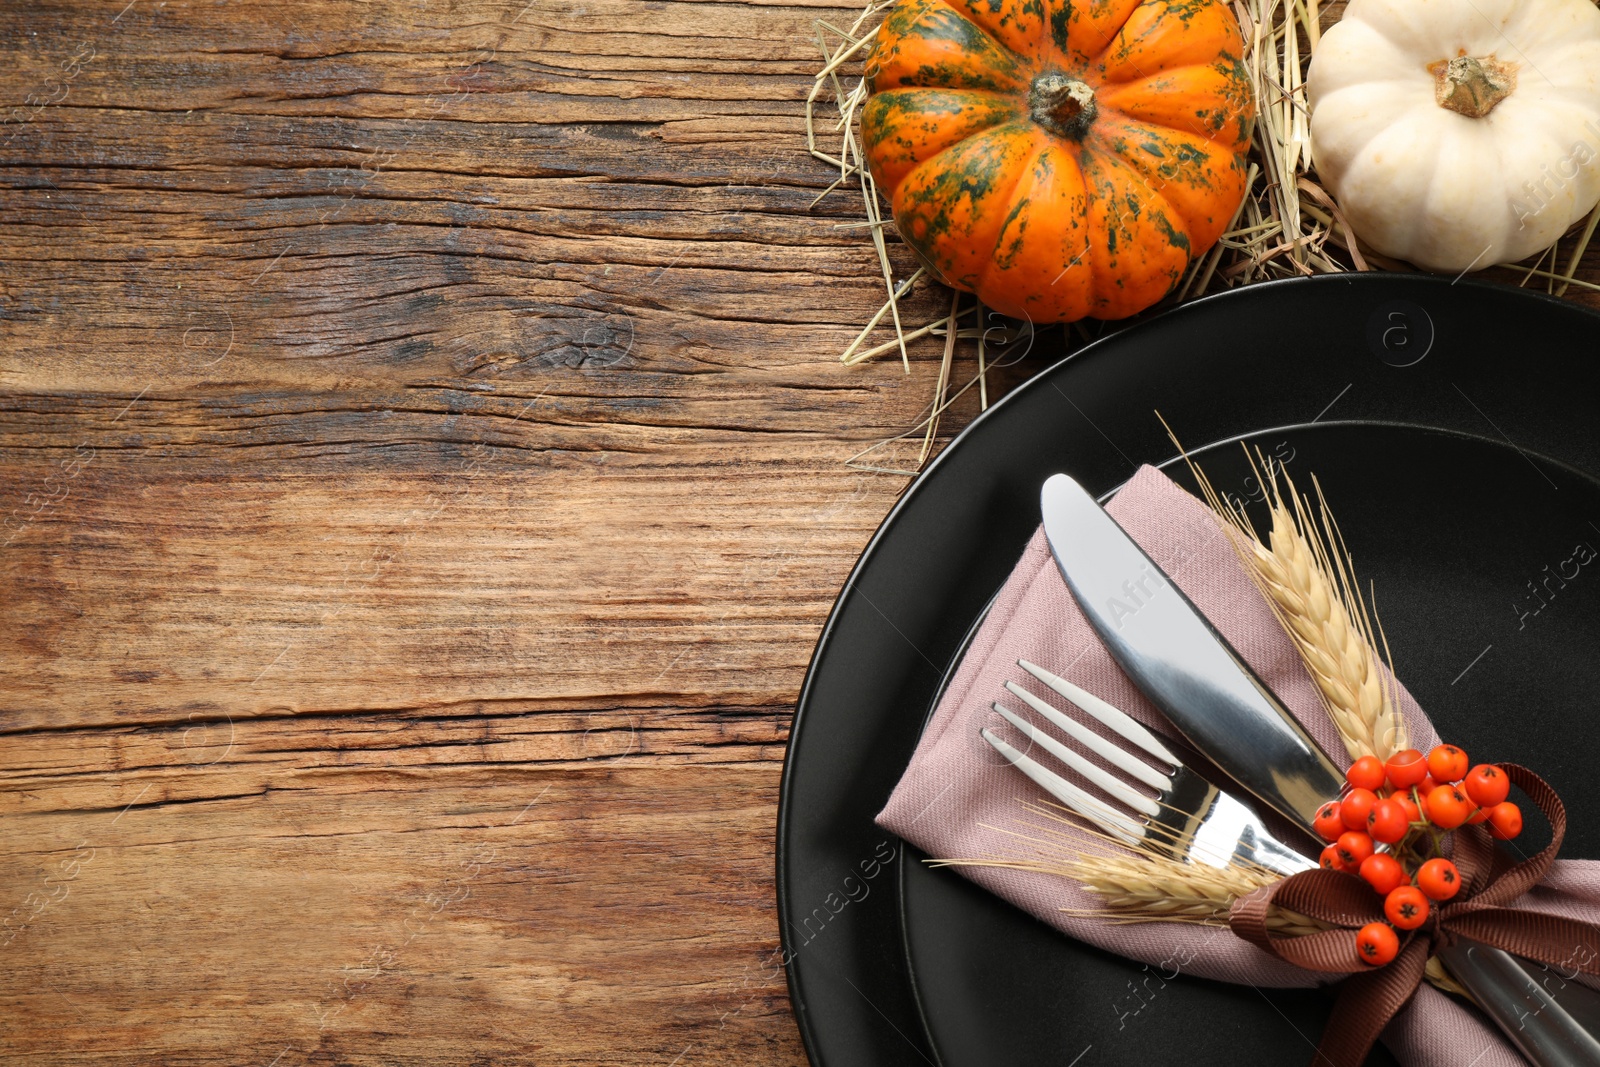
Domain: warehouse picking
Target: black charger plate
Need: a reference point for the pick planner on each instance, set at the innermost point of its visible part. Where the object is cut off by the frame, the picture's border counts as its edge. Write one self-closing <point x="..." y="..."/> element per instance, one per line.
<point x="1459" y="456"/>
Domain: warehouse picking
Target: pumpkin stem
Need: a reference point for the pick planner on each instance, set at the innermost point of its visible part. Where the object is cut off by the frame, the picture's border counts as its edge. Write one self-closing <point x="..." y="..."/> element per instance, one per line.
<point x="1064" y="106"/>
<point x="1472" y="85"/>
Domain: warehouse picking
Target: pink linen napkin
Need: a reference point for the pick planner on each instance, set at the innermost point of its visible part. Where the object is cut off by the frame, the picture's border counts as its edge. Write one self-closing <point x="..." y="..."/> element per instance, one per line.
<point x="957" y="790"/>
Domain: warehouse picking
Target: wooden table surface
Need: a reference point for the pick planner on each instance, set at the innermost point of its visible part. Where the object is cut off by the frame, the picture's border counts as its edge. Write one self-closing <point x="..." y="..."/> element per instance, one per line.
<point x="423" y="450"/>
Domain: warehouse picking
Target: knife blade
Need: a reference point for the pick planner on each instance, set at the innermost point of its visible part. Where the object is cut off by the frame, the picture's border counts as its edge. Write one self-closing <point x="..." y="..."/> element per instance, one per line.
<point x="1190" y="672"/>
<point x="1180" y="662"/>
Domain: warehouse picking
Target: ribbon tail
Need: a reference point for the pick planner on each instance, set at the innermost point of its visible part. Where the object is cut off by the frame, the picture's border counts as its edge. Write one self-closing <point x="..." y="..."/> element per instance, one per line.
<point x="1553" y="940"/>
<point x="1367" y="1001"/>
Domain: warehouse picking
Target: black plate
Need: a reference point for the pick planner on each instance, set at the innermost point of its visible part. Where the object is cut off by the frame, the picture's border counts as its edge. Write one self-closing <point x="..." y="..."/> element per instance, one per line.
<point x="1514" y="377"/>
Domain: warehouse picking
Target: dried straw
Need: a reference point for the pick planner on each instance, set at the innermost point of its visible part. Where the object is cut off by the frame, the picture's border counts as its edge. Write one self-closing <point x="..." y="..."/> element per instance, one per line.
<point x="1286" y="226"/>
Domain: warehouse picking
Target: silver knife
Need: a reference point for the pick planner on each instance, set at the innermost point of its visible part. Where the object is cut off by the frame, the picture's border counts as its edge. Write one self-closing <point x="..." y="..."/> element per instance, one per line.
<point x="1190" y="672"/>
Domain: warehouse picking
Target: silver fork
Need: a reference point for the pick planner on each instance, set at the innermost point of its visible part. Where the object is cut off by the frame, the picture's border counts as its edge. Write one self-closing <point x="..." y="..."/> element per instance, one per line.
<point x="1194" y="821"/>
<point x="1188" y="817"/>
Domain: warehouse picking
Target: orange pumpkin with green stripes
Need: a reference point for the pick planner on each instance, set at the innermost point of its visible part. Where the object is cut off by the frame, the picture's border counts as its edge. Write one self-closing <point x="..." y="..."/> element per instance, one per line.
<point x="1059" y="158"/>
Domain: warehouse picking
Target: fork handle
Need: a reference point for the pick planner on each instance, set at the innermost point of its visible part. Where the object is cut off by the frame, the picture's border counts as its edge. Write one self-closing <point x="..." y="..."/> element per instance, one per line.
<point x="1550" y="1030"/>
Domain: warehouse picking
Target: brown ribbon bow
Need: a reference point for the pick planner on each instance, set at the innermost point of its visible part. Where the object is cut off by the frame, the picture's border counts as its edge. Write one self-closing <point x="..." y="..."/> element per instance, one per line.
<point x="1489" y="882"/>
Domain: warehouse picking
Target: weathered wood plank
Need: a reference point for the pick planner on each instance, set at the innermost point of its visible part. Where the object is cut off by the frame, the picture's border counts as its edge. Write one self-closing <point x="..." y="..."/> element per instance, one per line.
<point x="460" y="915"/>
<point x="308" y="574"/>
<point x="446" y="214"/>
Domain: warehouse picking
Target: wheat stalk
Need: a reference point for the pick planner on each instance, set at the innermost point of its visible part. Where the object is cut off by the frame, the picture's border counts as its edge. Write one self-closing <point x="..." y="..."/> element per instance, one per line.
<point x="1154" y="888"/>
<point x="1139" y="883"/>
<point x="1333" y="635"/>
<point x="1145" y="884"/>
<point x="1304" y="571"/>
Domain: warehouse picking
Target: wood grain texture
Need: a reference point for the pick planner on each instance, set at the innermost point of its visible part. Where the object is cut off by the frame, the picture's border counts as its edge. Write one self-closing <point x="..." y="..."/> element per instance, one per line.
<point x="422" y="446"/>
<point x="421" y="485"/>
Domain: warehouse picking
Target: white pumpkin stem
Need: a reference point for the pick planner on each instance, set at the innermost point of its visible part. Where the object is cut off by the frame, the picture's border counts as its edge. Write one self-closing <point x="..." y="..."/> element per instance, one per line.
<point x="1064" y="106"/>
<point x="1473" y="85"/>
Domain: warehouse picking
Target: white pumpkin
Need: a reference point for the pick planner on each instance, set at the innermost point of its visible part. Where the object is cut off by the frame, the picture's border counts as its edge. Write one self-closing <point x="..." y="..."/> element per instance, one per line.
<point x="1457" y="134"/>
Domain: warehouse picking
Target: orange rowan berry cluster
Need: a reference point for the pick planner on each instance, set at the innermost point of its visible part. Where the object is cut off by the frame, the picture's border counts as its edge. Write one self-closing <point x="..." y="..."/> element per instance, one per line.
<point x="1404" y="804"/>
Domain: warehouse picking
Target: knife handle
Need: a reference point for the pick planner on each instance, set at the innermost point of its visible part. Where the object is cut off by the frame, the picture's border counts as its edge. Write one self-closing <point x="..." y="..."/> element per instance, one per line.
<point x="1551" y="1027"/>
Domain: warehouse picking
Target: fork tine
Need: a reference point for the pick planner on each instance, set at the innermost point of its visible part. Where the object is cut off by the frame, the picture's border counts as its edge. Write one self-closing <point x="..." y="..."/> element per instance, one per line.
<point x="1114" y="717"/>
<point x="1097" y="812"/>
<point x="1107" y="751"/>
<point x="1111" y="786"/>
